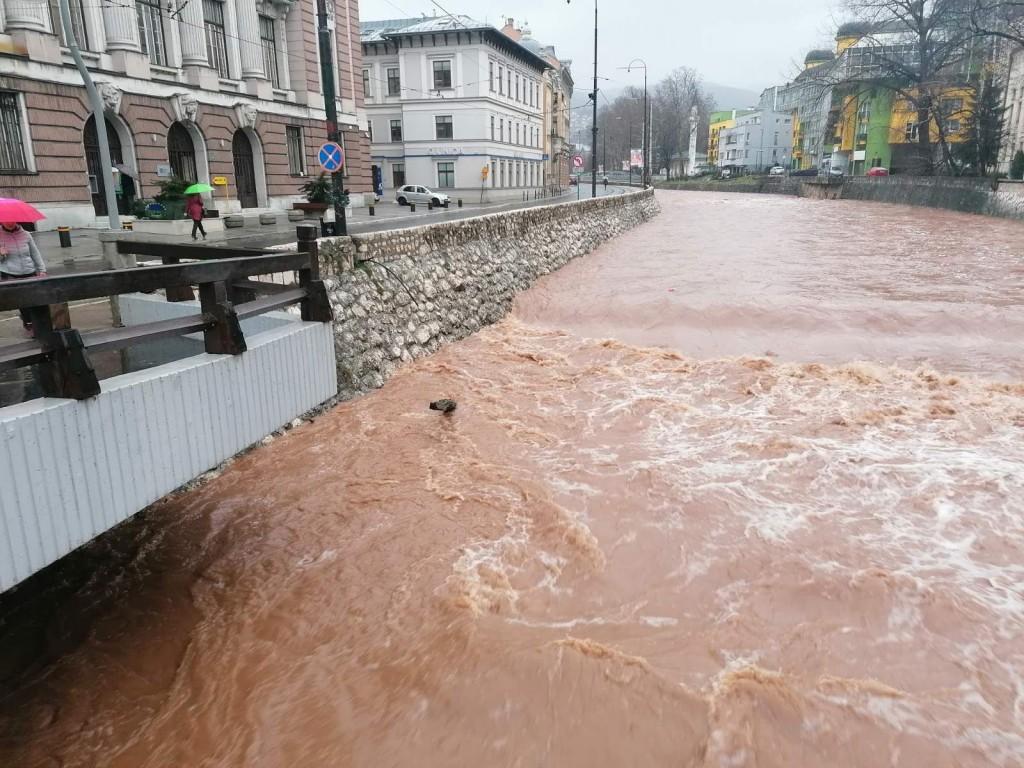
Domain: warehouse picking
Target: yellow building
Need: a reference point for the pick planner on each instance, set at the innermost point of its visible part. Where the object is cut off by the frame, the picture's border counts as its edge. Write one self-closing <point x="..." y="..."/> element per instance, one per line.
<point x="719" y="121"/>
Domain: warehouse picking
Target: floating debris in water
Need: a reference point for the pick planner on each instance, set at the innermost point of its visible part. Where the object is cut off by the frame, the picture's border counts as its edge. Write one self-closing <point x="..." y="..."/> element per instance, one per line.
<point x="444" y="406"/>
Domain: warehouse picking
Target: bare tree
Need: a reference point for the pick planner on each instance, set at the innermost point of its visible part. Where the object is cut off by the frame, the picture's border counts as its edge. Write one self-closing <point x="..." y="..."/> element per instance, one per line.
<point x="918" y="52"/>
<point x="674" y="97"/>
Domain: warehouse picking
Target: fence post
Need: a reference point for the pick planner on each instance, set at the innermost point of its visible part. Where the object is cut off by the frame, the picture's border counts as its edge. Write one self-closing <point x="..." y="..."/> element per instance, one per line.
<point x="225" y="336"/>
<point x="317" y="305"/>
<point x="68" y="372"/>
<point x="305" y="236"/>
<point x="177" y="292"/>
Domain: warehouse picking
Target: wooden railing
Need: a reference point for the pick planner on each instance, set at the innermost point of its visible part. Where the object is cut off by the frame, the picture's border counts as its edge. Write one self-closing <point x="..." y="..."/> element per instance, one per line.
<point x="227" y="295"/>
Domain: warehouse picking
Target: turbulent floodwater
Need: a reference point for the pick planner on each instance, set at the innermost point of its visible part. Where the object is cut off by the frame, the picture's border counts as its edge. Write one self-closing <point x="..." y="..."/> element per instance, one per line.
<point x="743" y="488"/>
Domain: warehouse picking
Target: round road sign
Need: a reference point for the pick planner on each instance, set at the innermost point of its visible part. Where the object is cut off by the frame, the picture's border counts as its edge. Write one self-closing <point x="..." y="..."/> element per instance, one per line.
<point x="577" y="161"/>
<point x="331" y="157"/>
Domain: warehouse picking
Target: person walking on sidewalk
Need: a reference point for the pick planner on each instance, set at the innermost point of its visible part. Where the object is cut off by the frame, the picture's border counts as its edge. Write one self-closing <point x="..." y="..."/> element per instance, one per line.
<point x="19" y="259"/>
<point x="195" y="211"/>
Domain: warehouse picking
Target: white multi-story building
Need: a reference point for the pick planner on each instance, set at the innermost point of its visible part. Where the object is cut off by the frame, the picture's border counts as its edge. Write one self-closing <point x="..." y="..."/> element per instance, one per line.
<point x="453" y="104"/>
<point x="760" y="139"/>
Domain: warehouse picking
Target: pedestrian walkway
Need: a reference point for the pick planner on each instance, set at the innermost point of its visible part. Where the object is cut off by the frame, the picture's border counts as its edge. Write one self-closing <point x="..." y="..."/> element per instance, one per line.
<point x="86" y="254"/>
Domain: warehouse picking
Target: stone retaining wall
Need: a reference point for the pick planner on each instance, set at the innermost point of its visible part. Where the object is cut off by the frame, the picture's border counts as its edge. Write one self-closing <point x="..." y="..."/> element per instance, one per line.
<point x="413" y="290"/>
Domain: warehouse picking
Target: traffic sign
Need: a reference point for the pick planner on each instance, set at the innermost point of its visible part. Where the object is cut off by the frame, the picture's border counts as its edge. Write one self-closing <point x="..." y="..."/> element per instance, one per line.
<point x="577" y="161"/>
<point x="331" y="157"/>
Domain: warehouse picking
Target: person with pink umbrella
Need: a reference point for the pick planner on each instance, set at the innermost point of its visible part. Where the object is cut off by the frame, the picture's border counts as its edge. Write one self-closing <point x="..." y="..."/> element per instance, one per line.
<point x="19" y="255"/>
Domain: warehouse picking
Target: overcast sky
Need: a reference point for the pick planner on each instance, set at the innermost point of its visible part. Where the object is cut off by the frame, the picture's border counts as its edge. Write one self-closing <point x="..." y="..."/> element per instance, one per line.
<point x="744" y="43"/>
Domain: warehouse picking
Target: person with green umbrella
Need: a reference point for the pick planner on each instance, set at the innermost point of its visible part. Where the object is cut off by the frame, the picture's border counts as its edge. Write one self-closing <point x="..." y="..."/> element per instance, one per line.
<point x="195" y="208"/>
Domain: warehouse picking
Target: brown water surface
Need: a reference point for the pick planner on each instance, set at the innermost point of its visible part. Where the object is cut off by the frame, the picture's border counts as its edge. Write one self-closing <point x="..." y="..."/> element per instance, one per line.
<point x="745" y="487"/>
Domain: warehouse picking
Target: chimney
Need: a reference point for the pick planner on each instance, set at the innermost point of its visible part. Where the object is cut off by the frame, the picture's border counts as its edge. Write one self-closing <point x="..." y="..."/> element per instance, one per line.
<point x="509" y="30"/>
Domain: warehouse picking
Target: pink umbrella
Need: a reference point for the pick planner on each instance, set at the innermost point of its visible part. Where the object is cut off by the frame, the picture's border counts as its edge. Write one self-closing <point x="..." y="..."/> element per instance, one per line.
<point x="17" y="210"/>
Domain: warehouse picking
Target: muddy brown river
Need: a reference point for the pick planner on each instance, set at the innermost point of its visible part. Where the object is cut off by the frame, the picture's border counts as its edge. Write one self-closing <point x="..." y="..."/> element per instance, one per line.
<point x="745" y="487"/>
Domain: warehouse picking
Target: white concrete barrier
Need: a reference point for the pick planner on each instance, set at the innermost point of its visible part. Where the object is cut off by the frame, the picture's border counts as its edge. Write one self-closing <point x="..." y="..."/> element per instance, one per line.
<point x="70" y="469"/>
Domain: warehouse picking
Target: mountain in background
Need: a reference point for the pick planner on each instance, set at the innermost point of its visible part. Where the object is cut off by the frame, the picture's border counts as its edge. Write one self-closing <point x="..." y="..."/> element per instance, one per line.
<point x="727" y="97"/>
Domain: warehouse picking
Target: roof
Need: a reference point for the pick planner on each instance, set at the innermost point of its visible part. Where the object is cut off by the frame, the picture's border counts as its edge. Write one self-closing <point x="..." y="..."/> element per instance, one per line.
<point x="819" y="54"/>
<point x="388" y="29"/>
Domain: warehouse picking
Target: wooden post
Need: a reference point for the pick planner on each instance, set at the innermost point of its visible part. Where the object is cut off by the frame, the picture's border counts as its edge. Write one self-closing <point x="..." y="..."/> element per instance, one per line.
<point x="68" y="372"/>
<point x="307" y="243"/>
<point x="177" y="292"/>
<point x="316" y="306"/>
<point x="225" y="337"/>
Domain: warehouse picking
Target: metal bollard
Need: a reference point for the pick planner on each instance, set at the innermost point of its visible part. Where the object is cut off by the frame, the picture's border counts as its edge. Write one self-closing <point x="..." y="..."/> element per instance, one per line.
<point x="460" y="202"/>
<point x="412" y="207"/>
<point x="64" y="233"/>
<point x="372" y="211"/>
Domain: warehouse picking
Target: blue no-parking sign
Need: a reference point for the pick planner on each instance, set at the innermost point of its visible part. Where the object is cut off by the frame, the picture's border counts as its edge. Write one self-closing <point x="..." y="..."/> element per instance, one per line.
<point x="331" y="157"/>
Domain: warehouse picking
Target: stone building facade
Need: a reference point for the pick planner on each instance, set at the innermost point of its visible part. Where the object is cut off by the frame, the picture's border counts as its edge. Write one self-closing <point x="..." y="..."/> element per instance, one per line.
<point x="197" y="89"/>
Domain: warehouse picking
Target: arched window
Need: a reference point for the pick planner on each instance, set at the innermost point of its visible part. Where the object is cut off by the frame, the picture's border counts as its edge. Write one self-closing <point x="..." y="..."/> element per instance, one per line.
<point x="181" y="153"/>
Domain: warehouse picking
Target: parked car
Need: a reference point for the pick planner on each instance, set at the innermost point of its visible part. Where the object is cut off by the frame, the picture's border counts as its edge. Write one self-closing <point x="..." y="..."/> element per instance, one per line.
<point x="776" y="170"/>
<point x="835" y="173"/>
<point x="877" y="172"/>
<point x="413" y="193"/>
<point x="805" y="172"/>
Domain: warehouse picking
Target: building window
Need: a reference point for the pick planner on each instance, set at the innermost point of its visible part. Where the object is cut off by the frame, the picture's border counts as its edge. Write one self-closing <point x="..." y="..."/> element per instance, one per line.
<point x="502" y="184"/>
<point x="181" y="154"/>
<point x="490" y="74"/>
<point x="501" y="81"/>
<point x="13" y="153"/>
<point x="396" y="130"/>
<point x="910" y="133"/>
<point x="446" y="175"/>
<point x="216" y="39"/>
<point x="517" y="87"/>
<point x="443" y="127"/>
<point x="517" y="133"/>
<point x="77" y="8"/>
<point x="952" y="126"/>
<point x="269" y="42"/>
<point x="519" y="175"/>
<point x="394" y="82"/>
<point x="492" y="127"/>
<point x="509" y="78"/>
<point x="151" y="31"/>
<point x="296" y="151"/>
<point x="442" y="74"/>
<point x="369" y="129"/>
<point x="366" y="85"/>
<point x="501" y="130"/>
<point x="398" y="174"/>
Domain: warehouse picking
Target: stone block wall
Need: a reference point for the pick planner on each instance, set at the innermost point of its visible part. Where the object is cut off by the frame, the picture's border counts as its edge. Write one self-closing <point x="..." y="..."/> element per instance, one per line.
<point x="402" y="294"/>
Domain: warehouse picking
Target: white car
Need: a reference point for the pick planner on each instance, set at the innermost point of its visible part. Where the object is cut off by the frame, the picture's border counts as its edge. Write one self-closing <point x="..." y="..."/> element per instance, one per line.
<point x="777" y="170"/>
<point x="413" y="193"/>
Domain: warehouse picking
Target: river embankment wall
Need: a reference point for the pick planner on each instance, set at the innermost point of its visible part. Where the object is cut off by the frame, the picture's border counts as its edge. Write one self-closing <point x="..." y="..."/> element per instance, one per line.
<point x="402" y="294"/>
<point x="967" y="195"/>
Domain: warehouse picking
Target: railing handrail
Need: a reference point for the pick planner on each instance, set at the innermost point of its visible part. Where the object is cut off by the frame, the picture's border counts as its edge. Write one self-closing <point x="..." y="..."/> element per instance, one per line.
<point x="93" y="285"/>
<point x="226" y="296"/>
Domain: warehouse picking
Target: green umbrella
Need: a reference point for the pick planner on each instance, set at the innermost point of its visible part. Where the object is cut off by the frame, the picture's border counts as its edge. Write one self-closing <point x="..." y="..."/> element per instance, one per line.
<point x="198" y="189"/>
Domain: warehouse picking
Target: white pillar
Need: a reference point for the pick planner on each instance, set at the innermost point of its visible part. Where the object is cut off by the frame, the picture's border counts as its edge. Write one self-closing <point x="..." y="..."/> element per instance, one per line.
<point x="191" y="29"/>
<point x="122" y="26"/>
<point x="249" y="39"/>
<point x="28" y="14"/>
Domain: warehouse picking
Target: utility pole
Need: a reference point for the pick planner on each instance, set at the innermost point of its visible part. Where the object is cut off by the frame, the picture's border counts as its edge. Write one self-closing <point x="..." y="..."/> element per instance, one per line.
<point x="106" y="167"/>
<point x="593" y="141"/>
<point x="331" y="108"/>
<point x="644" y="177"/>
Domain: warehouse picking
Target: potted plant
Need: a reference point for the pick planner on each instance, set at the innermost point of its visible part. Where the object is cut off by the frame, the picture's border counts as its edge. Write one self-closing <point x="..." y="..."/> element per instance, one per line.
<point x="318" y="195"/>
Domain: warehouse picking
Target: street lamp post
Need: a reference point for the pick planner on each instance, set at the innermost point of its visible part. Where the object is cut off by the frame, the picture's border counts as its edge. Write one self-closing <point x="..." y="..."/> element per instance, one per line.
<point x="593" y="96"/>
<point x="645" y="175"/>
